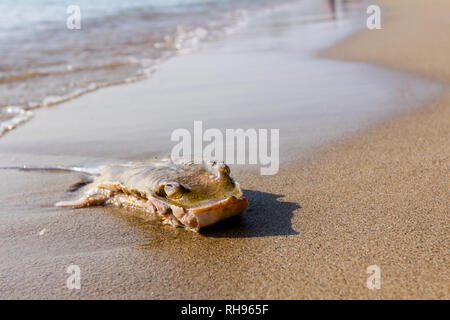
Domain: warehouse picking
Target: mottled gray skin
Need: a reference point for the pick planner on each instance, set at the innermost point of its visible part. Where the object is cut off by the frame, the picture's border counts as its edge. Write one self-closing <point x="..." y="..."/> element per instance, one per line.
<point x="184" y="193"/>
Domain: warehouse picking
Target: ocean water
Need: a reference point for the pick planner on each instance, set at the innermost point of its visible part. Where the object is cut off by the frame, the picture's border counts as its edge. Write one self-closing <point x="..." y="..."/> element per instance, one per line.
<point x="44" y="63"/>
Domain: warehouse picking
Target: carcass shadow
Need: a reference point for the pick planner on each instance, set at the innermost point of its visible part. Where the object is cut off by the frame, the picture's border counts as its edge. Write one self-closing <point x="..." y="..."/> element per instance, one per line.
<point x="266" y="216"/>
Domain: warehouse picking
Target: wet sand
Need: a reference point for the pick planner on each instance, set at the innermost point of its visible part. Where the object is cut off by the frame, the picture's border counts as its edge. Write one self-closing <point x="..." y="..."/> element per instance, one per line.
<point x="377" y="197"/>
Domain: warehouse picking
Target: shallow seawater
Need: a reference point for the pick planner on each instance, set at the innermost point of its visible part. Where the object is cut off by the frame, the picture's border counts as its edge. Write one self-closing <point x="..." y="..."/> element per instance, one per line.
<point x="44" y="63"/>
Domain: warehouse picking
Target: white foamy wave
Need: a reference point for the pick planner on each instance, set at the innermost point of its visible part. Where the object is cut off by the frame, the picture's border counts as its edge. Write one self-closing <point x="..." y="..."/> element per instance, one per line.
<point x="15" y="116"/>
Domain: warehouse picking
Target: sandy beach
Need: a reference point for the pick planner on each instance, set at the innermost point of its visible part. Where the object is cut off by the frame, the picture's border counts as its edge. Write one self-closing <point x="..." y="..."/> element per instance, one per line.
<point x="363" y="177"/>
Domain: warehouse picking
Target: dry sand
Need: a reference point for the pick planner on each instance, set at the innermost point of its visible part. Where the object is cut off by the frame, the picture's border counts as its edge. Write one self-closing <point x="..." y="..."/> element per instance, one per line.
<point x="414" y="37"/>
<point x="312" y="230"/>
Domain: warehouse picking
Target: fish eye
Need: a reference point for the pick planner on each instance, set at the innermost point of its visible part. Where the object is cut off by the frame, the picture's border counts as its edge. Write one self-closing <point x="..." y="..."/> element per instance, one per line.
<point x="221" y="168"/>
<point x="171" y="188"/>
<point x="224" y="170"/>
<point x="174" y="190"/>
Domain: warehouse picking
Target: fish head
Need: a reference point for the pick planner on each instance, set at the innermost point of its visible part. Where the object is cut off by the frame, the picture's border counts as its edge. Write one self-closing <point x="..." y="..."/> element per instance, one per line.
<point x="201" y="194"/>
<point x="199" y="184"/>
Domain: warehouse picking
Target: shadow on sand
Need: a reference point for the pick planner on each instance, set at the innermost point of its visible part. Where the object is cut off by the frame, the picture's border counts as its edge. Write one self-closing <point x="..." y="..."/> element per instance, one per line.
<point x="266" y="216"/>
